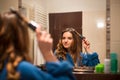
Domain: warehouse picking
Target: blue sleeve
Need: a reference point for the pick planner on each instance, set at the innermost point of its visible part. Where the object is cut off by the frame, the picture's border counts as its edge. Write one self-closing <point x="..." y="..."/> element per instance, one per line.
<point x="56" y="71"/>
<point x="90" y="59"/>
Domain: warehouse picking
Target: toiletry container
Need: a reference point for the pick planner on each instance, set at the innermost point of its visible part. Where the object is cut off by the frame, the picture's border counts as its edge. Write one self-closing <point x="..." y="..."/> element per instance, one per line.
<point x="114" y="62"/>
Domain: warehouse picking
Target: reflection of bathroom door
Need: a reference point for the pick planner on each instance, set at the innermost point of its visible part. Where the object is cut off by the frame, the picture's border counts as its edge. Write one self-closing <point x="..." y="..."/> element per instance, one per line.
<point x="59" y="21"/>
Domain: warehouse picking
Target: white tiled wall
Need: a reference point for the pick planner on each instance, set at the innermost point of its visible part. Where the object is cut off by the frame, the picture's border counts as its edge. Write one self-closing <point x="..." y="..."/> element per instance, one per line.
<point x="6" y="4"/>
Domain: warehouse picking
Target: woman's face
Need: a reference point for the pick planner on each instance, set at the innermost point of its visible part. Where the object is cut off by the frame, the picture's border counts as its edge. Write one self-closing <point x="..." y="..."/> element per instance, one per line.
<point x="67" y="40"/>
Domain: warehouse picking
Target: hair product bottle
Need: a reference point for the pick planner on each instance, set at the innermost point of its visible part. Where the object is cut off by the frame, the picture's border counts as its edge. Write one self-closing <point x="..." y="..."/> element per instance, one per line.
<point x="114" y="62"/>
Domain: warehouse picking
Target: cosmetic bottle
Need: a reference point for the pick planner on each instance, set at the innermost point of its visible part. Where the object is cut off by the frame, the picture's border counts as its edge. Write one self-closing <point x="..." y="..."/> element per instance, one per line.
<point x="107" y="65"/>
<point x="114" y="62"/>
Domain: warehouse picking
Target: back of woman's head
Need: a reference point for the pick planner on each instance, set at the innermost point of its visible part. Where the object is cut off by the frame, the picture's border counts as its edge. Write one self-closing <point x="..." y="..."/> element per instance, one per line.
<point x="14" y="38"/>
<point x="13" y="34"/>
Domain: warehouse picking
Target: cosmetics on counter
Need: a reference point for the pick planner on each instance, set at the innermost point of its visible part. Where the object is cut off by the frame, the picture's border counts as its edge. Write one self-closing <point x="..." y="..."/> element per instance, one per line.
<point x="110" y="65"/>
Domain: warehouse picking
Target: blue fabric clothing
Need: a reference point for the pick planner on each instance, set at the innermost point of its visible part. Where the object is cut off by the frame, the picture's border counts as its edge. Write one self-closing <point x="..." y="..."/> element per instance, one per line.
<point x="55" y="71"/>
<point x="87" y="59"/>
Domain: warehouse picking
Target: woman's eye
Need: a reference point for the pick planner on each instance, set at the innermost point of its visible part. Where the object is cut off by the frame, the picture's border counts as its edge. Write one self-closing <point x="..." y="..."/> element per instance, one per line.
<point x="63" y="37"/>
<point x="69" y="38"/>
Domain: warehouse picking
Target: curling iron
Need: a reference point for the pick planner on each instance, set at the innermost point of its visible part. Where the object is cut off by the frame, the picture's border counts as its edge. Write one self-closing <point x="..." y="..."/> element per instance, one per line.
<point x="82" y="37"/>
<point x="32" y="24"/>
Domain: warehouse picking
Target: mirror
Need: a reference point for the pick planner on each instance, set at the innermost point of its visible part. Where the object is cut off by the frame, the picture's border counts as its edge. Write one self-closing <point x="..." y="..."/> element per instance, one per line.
<point x="93" y="20"/>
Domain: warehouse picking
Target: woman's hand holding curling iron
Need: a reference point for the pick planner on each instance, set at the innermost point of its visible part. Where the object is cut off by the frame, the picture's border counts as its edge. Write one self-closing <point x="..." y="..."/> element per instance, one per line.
<point x="86" y="45"/>
<point x="45" y="43"/>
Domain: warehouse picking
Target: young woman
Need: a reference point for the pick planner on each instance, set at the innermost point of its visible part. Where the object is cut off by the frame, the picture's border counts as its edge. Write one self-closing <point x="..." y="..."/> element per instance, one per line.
<point x="15" y="63"/>
<point x="68" y="49"/>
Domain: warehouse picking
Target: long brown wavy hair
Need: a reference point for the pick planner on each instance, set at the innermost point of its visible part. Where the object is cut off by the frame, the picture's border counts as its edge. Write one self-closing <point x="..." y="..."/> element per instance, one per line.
<point x="75" y="48"/>
<point x="14" y="43"/>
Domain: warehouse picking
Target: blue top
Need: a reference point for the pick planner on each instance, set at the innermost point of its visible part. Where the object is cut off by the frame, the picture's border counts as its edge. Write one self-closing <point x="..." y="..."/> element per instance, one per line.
<point x="87" y="59"/>
<point x="55" y="71"/>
